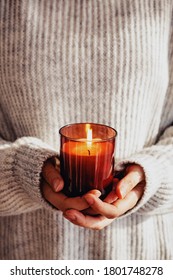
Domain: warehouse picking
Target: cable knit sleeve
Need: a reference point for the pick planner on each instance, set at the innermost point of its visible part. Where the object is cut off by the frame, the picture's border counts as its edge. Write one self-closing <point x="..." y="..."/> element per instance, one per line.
<point x="157" y="163"/>
<point x="20" y="167"/>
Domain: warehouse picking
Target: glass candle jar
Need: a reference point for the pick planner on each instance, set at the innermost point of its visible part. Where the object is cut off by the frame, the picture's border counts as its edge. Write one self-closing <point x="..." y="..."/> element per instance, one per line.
<point x="87" y="158"/>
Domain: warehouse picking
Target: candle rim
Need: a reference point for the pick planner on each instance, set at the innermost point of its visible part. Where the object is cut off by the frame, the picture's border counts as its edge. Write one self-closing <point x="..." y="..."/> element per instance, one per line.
<point x="83" y="140"/>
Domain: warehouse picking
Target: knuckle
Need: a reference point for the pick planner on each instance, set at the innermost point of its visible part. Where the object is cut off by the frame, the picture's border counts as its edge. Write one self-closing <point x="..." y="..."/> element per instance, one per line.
<point x="46" y="170"/>
<point x="112" y="216"/>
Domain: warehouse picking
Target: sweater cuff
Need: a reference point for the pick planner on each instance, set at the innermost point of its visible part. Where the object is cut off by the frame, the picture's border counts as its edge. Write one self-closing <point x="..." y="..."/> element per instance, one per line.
<point x="29" y="156"/>
<point x="153" y="175"/>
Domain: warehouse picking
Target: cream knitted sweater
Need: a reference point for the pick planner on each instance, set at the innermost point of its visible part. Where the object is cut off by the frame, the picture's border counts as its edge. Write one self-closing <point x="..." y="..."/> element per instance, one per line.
<point x="106" y="61"/>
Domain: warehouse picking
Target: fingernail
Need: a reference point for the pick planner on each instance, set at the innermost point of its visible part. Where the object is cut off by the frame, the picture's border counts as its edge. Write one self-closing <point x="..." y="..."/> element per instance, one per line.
<point x="56" y="184"/>
<point x="123" y="193"/>
<point x="97" y="193"/>
<point x="89" y="199"/>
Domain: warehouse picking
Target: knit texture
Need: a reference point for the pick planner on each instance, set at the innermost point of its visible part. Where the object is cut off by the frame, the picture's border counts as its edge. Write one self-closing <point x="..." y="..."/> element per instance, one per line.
<point x="96" y="61"/>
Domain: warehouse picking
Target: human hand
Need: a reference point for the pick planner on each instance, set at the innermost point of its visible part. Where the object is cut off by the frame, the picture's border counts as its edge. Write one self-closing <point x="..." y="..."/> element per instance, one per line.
<point x="124" y="196"/>
<point x="52" y="185"/>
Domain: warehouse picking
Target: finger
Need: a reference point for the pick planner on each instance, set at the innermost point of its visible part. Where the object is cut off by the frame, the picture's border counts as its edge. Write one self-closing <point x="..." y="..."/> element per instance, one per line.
<point x="135" y="175"/>
<point x="131" y="199"/>
<point x="117" y="208"/>
<point x="52" y="176"/>
<point x="77" y="218"/>
<point x="95" y="192"/>
<point x="61" y="201"/>
<point x="112" y="196"/>
<point x="90" y="211"/>
<point x="103" y="208"/>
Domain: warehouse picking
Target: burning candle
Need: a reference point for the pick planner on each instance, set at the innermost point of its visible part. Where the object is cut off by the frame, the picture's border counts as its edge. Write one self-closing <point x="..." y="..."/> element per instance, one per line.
<point x="87" y="158"/>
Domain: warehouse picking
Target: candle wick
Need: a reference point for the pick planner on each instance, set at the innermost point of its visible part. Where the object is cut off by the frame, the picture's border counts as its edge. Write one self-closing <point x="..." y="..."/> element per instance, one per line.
<point x="89" y="152"/>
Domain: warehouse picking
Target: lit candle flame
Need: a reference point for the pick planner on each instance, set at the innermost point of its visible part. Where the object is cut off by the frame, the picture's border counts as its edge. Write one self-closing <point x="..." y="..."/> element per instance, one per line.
<point x="89" y="135"/>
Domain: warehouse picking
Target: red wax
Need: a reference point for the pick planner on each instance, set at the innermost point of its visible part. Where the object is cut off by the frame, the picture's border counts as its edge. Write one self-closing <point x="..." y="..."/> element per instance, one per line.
<point x="87" y="165"/>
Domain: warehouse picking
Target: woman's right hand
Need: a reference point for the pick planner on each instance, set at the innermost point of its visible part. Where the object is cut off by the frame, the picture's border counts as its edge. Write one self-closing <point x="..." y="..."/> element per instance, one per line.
<point x="52" y="185"/>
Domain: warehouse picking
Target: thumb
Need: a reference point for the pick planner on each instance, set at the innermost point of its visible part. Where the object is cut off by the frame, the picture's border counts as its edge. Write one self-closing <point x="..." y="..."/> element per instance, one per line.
<point x="52" y="176"/>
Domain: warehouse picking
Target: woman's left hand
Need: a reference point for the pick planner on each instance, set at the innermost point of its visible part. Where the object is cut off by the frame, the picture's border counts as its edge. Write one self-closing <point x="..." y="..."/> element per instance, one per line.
<point x="124" y="196"/>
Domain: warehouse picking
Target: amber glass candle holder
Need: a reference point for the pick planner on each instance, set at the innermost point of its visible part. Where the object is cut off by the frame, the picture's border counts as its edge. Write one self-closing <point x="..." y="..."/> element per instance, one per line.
<point x="87" y="158"/>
